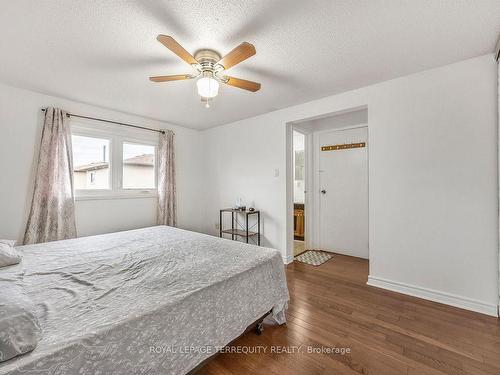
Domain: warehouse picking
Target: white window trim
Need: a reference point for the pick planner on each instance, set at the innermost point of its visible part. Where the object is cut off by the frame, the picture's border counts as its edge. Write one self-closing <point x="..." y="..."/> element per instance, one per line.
<point x="117" y="135"/>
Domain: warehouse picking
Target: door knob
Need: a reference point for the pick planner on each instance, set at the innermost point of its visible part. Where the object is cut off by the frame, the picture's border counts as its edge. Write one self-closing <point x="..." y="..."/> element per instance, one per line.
<point x="323" y="191"/>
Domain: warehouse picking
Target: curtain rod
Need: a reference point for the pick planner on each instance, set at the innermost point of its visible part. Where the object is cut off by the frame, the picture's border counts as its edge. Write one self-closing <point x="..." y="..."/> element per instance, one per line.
<point x="111" y="122"/>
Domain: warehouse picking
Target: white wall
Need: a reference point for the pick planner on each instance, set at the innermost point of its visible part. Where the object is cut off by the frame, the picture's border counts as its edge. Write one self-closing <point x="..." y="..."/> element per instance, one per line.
<point x="433" y="168"/>
<point x="242" y="162"/>
<point x="21" y="122"/>
<point x="433" y="181"/>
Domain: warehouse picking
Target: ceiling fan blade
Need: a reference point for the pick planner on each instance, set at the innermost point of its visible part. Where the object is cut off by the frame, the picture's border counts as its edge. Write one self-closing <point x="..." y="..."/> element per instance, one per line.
<point x="176" y="77"/>
<point x="237" y="55"/>
<point x="242" y="83"/>
<point x="176" y="48"/>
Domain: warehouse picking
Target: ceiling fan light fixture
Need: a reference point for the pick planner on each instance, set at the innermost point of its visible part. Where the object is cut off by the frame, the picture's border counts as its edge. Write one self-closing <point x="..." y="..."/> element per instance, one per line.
<point x="209" y="65"/>
<point x="208" y="87"/>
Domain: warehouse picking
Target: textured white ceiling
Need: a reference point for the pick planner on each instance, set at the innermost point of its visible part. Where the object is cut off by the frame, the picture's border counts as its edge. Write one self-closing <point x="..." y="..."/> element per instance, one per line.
<point x="102" y="52"/>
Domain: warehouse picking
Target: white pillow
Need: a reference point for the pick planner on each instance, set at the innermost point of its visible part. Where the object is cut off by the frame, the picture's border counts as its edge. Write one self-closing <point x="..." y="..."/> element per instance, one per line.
<point x="19" y="326"/>
<point x="8" y="255"/>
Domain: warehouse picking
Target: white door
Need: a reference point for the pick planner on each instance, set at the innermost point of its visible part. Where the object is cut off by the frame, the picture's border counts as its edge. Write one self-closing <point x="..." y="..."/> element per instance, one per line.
<point x="343" y="196"/>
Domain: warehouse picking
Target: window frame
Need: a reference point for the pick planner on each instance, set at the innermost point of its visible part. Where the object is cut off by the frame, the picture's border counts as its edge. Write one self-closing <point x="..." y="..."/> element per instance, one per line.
<point x="117" y="136"/>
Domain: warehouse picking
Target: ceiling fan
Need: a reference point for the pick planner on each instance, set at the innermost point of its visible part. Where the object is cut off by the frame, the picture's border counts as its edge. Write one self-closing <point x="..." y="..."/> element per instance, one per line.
<point x="210" y="67"/>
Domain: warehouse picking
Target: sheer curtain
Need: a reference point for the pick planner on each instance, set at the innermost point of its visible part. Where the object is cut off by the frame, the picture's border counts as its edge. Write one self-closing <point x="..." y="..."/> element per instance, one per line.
<point x="52" y="214"/>
<point x="167" y="210"/>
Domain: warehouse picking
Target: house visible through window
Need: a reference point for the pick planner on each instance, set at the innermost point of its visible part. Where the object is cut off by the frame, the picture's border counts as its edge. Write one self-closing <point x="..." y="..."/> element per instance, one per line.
<point x="113" y="162"/>
<point x="91" y="167"/>
<point x="138" y="166"/>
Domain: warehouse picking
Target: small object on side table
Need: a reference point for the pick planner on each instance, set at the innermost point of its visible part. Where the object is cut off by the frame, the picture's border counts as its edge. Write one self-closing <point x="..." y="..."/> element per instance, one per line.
<point x="239" y="204"/>
<point x="251" y="209"/>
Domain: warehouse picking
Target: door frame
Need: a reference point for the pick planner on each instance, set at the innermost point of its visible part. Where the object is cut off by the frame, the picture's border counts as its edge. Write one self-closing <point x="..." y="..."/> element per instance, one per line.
<point x="308" y="198"/>
<point x="288" y="204"/>
<point x="316" y="182"/>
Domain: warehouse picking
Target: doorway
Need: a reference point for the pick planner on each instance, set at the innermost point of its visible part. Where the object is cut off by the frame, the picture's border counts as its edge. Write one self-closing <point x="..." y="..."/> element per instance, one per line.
<point x="335" y="201"/>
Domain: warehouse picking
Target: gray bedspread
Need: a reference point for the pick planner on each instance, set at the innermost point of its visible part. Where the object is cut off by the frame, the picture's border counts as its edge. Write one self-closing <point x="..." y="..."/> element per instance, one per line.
<point x="157" y="300"/>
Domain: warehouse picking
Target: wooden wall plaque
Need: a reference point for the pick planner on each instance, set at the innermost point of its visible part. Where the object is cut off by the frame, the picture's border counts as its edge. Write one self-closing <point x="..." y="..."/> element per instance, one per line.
<point x="344" y="146"/>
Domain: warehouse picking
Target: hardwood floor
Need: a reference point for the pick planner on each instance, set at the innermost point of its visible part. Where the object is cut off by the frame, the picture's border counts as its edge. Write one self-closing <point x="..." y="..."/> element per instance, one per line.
<point x="387" y="333"/>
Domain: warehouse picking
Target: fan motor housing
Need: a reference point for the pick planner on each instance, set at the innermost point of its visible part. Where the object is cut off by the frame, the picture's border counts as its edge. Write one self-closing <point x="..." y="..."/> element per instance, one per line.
<point x="207" y="59"/>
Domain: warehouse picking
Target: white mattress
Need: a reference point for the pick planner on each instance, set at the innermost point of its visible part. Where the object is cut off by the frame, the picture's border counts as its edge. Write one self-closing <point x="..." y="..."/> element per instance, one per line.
<point x="157" y="300"/>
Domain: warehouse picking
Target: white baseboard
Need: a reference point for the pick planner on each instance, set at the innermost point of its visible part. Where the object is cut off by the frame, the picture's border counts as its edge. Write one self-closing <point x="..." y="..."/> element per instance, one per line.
<point x="434" y="295"/>
<point x="288" y="259"/>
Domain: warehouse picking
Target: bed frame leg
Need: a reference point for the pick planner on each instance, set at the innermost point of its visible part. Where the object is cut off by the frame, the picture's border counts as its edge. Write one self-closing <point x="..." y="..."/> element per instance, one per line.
<point x="259" y="325"/>
<point x="259" y="328"/>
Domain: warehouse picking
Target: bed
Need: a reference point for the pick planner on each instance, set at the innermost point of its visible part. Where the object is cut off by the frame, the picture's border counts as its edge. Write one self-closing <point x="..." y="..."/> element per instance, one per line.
<point x="157" y="300"/>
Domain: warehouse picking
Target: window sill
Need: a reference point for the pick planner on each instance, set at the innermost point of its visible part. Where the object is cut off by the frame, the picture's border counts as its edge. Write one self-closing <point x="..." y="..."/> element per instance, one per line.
<point x="127" y="195"/>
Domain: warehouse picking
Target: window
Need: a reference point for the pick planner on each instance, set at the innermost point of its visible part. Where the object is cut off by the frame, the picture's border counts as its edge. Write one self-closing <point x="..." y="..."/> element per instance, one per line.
<point x="138" y="166"/>
<point x="113" y="162"/>
<point x="91" y="167"/>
